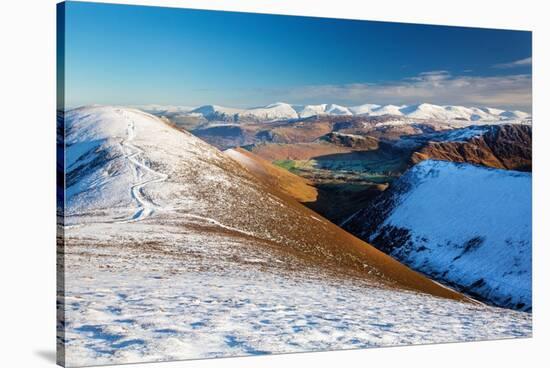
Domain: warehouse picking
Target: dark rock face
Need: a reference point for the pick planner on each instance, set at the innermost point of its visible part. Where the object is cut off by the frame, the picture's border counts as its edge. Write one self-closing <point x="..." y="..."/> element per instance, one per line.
<point x="367" y="221"/>
<point x="224" y="137"/>
<point x="502" y="147"/>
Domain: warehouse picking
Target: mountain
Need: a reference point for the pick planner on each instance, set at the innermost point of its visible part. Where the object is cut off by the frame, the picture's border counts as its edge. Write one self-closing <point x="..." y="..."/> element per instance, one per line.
<point x="276" y="111"/>
<point x="465" y="225"/>
<point x="364" y="109"/>
<point x="123" y="165"/>
<point x="274" y="176"/>
<point x="284" y="111"/>
<point x="215" y="112"/>
<point x="172" y="249"/>
<point x="156" y="109"/>
<point x="498" y="146"/>
<point x="387" y="110"/>
<point x="305" y="111"/>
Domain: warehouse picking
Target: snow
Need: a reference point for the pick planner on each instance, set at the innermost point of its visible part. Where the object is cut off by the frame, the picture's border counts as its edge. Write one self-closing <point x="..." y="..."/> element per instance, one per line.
<point x="514" y="115"/>
<point x="305" y="111"/>
<point x="164" y="109"/>
<point x="242" y="158"/>
<point x="333" y="109"/>
<point x="215" y="296"/>
<point x="459" y="134"/>
<point x="272" y="112"/>
<point x="208" y="110"/>
<point x="468" y="223"/>
<point x="428" y="111"/>
<point x="285" y="111"/>
<point x="363" y="109"/>
<point x="276" y="111"/>
<point x="114" y="139"/>
<point x="174" y="251"/>
<point x="387" y="110"/>
<point x="339" y="134"/>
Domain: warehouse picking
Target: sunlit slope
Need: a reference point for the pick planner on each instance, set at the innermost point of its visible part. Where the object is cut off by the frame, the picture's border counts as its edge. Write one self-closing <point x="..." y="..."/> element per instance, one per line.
<point x="469" y="226"/>
<point x="127" y="166"/>
<point x="288" y="183"/>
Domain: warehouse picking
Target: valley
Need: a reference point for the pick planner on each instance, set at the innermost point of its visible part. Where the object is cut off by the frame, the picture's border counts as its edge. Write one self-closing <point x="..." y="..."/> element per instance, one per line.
<point x="175" y="249"/>
<point x="355" y="158"/>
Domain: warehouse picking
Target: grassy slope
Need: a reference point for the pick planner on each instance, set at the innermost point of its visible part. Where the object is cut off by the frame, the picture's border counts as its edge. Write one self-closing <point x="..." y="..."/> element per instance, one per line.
<point x="288" y="183"/>
<point x="353" y="252"/>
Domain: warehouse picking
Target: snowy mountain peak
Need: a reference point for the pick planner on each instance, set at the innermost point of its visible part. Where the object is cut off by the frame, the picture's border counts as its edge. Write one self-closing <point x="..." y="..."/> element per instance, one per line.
<point x="363" y="109"/>
<point x="387" y="110"/>
<point x="285" y="111"/>
<point x="334" y="109"/>
<point x="208" y="110"/>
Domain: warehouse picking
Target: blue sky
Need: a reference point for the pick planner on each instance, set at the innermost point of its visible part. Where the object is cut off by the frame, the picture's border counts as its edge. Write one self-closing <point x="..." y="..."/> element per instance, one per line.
<point x="118" y="54"/>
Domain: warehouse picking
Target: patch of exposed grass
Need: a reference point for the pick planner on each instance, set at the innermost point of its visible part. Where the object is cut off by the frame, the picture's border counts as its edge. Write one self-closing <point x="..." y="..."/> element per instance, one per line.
<point x="286" y="164"/>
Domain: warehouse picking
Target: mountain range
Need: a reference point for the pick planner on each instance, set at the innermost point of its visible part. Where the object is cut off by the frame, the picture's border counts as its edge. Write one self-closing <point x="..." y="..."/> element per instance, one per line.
<point x="174" y="249"/>
<point x="284" y="111"/>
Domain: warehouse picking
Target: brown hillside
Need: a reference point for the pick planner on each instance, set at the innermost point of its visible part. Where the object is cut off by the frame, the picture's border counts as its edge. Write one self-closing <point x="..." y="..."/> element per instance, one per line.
<point x="288" y="183"/>
<point x="201" y="190"/>
<point x="296" y="151"/>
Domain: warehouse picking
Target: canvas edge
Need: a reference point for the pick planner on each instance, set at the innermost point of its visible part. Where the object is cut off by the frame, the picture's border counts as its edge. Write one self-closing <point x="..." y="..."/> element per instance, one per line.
<point x="60" y="184"/>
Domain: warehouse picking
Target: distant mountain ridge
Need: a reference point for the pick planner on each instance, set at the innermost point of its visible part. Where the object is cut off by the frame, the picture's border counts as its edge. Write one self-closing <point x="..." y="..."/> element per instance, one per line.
<point x="285" y="111"/>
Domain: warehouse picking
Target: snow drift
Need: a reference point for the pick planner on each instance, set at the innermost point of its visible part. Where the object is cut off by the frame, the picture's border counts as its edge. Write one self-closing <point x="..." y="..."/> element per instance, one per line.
<point x="466" y="225"/>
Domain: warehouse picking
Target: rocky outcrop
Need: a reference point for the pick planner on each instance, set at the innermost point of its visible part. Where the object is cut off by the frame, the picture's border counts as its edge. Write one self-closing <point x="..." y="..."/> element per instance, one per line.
<point x="501" y="147"/>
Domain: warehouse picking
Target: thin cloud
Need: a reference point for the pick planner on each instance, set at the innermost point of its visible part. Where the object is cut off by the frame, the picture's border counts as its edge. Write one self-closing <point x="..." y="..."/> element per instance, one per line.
<point x="514" y="64"/>
<point x="438" y="87"/>
<point x="434" y="75"/>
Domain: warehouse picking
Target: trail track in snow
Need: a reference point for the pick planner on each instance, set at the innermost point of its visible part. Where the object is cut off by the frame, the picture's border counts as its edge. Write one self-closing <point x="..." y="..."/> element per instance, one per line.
<point x="144" y="175"/>
<point x="145" y="206"/>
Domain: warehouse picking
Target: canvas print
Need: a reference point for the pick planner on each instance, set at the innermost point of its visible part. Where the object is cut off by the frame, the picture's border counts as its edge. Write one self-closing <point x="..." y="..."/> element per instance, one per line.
<point x="235" y="184"/>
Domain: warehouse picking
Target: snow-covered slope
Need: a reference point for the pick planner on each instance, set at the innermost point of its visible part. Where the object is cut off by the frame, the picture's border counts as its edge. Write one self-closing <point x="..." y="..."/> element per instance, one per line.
<point x="305" y="111"/>
<point x="284" y="111"/>
<point x="173" y="250"/>
<point x="276" y="111"/>
<point x="364" y="109"/>
<point x="164" y="109"/>
<point x="333" y="109"/>
<point x="215" y="112"/>
<point x="124" y="165"/>
<point x="466" y="225"/>
<point x="429" y="111"/>
<point x="387" y="110"/>
<point x="108" y="173"/>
